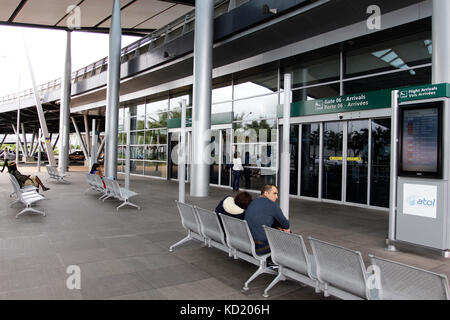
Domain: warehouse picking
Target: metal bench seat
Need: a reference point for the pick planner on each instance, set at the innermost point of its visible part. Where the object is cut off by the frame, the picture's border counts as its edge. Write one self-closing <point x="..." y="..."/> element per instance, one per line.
<point x="54" y="173"/>
<point x="122" y="194"/>
<point x="190" y="222"/>
<point x="402" y="282"/>
<point x="212" y="230"/>
<point x="341" y="271"/>
<point x="289" y="252"/>
<point x="26" y="198"/>
<point x="240" y="240"/>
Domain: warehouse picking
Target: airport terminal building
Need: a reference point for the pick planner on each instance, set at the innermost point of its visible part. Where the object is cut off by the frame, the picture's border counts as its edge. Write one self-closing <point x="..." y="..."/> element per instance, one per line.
<point x="358" y="51"/>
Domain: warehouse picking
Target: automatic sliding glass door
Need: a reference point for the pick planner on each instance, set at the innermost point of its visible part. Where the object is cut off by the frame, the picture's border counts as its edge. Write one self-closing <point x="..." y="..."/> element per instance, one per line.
<point x="332" y="160"/>
<point x="357" y="161"/>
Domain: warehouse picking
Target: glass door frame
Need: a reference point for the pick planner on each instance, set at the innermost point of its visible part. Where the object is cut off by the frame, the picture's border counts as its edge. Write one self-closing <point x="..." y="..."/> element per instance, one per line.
<point x="368" y="116"/>
<point x="222" y="144"/>
<point x="188" y="152"/>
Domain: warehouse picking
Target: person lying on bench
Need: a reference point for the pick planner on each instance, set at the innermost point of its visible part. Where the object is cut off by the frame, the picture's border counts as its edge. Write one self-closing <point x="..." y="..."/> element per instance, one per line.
<point x="22" y="179"/>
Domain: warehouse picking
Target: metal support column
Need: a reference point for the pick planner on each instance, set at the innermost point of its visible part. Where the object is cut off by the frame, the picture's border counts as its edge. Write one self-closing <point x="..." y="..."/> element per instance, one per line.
<point x="201" y="119"/>
<point x="87" y="135"/>
<point x="43" y="123"/>
<point x="285" y="167"/>
<point x="94" y="144"/>
<point x="24" y="135"/>
<point x="182" y="155"/>
<point x="64" y="117"/>
<point x="127" y="150"/>
<point x="441" y="41"/>
<point x="83" y="146"/>
<point x="19" y="142"/>
<point x="112" y="96"/>
<point x="39" y="151"/>
<point x="394" y="154"/>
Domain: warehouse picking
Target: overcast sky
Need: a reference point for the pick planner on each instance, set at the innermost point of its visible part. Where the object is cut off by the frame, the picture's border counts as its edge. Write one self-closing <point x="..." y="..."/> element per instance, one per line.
<point x="47" y="51"/>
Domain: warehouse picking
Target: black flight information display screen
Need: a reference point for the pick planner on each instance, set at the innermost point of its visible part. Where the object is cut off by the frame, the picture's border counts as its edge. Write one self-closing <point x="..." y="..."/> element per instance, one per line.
<point x="421" y="141"/>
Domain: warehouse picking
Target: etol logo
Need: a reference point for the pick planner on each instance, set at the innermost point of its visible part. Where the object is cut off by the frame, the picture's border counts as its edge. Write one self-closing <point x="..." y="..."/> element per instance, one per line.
<point x="422" y="202"/>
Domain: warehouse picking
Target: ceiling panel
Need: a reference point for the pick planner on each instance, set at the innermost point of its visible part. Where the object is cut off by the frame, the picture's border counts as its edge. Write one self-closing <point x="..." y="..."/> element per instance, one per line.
<point x="95" y="11"/>
<point x="141" y="10"/>
<point x="165" y="17"/>
<point x="47" y="12"/>
<point x="7" y="9"/>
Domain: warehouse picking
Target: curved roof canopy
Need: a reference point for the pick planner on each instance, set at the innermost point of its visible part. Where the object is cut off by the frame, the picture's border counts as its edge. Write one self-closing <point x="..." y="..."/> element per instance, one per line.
<point x="139" y="17"/>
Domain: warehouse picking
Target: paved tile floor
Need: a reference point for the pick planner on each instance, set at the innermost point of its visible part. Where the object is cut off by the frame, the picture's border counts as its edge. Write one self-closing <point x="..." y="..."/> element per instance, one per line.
<point x="124" y="255"/>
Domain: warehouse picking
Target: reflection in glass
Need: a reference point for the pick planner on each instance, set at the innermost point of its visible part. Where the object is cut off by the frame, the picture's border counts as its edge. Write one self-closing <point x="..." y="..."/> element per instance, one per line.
<point x="315" y="68"/>
<point x="255" y="131"/>
<point x="389" y="81"/>
<point x="214" y="168"/>
<point x="226" y="158"/>
<point x="310" y="160"/>
<point x="137" y="167"/>
<point x="264" y="107"/>
<point x="330" y="90"/>
<point x="381" y="161"/>
<point x="155" y="169"/>
<point x="157" y="106"/>
<point x="155" y="153"/>
<point x="259" y="84"/>
<point x="383" y="56"/>
<point x="294" y="159"/>
<point x="332" y="161"/>
<point x="357" y="161"/>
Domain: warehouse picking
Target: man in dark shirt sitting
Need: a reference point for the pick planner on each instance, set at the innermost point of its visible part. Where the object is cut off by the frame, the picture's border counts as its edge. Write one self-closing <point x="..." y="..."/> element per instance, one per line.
<point x="265" y="211"/>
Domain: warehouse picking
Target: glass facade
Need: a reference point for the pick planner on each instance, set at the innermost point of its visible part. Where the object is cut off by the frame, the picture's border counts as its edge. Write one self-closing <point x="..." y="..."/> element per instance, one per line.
<point x="347" y="161"/>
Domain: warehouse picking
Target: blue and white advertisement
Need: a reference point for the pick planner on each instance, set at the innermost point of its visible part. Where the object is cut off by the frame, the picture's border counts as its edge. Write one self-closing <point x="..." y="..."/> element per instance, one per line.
<point x="420" y="200"/>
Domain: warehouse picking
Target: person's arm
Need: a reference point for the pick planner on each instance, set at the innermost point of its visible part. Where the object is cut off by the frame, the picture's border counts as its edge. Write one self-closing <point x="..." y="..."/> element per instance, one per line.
<point x="281" y="219"/>
<point x="5" y="163"/>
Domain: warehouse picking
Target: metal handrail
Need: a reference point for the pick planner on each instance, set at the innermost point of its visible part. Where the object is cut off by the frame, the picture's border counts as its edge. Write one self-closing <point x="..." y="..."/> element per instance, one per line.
<point x="84" y="72"/>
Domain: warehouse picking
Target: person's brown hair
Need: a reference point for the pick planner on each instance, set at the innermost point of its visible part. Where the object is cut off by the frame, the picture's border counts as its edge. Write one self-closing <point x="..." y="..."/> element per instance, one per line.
<point x="243" y="199"/>
<point x="267" y="188"/>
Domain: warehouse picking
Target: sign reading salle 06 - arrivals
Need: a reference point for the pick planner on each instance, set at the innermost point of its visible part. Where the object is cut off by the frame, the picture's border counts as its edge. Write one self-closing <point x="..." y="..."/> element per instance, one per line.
<point x="365" y="100"/>
<point x="349" y="103"/>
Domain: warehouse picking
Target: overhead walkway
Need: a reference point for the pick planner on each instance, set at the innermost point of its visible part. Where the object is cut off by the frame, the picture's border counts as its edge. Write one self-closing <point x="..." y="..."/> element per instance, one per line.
<point x="124" y="255"/>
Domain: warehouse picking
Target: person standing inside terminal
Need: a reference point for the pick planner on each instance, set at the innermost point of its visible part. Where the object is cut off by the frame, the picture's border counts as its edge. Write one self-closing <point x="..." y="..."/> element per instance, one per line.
<point x="264" y="211"/>
<point x="237" y="171"/>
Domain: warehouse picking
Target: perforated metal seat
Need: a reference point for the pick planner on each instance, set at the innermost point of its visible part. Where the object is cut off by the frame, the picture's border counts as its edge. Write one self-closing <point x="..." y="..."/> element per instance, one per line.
<point x="26" y="198"/>
<point x="190" y="222"/>
<point x="403" y="282"/>
<point x="211" y="229"/>
<point x="240" y="240"/>
<point x="289" y="252"/>
<point x="55" y="174"/>
<point x="341" y="271"/>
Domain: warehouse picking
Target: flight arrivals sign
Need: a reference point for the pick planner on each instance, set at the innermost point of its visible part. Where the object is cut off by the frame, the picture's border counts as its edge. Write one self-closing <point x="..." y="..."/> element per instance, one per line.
<point x="424" y="92"/>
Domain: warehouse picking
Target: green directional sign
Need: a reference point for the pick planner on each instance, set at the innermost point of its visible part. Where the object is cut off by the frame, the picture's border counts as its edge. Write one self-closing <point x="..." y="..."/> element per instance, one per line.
<point x="349" y="103"/>
<point x="424" y="92"/>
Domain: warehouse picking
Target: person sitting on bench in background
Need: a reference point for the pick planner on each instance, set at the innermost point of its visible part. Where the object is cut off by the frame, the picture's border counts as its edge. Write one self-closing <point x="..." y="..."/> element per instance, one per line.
<point x="97" y="170"/>
<point x="22" y="179"/>
<point x="235" y="207"/>
<point x="265" y="211"/>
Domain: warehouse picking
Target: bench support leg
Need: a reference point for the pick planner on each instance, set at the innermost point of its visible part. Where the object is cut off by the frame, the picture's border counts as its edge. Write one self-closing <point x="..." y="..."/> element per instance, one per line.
<point x="129" y="204"/>
<point x="184" y="240"/>
<point x="29" y="209"/>
<point x="279" y="278"/>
